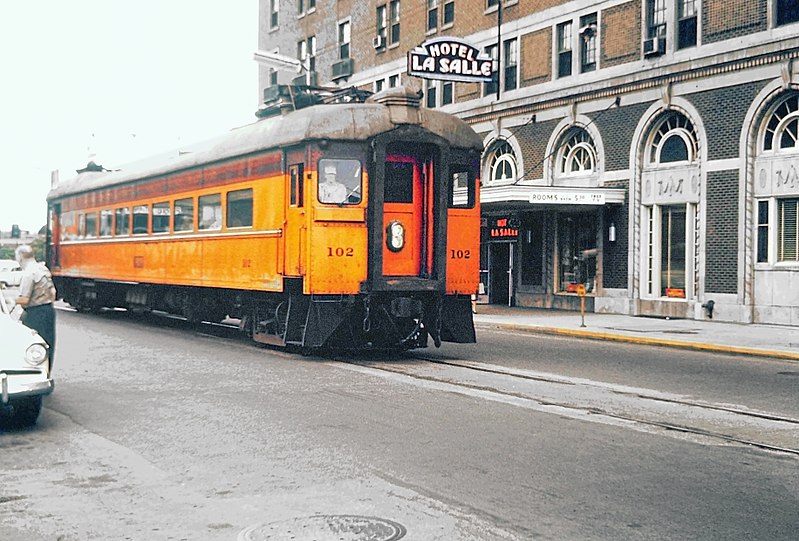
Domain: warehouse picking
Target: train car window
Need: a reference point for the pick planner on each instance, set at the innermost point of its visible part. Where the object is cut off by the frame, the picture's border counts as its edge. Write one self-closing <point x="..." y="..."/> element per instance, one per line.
<point x="184" y="215"/>
<point x="210" y="211"/>
<point x="67" y="225"/>
<point x="81" y="225"/>
<point x="239" y="208"/>
<point x="399" y="182"/>
<point x="122" y="221"/>
<point x="339" y="182"/>
<point x="161" y="216"/>
<point x="91" y="225"/>
<point x="461" y="189"/>
<point x="141" y="217"/>
<point x="106" y="222"/>
<point x="296" y="173"/>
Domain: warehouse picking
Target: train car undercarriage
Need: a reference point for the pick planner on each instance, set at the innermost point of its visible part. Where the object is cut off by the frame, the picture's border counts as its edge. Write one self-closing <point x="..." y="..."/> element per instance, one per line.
<point x="395" y="321"/>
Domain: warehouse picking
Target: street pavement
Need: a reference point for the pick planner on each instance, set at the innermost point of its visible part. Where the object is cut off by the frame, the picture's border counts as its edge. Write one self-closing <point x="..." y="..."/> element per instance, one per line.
<point x="710" y="335"/>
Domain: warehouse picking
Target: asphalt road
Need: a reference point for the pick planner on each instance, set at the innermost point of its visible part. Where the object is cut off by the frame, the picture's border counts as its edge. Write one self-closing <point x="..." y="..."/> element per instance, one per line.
<point x="156" y="431"/>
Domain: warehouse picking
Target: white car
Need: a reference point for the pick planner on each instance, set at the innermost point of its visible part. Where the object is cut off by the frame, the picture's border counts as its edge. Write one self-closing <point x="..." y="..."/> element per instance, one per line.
<point x="10" y="274"/>
<point x="24" y="371"/>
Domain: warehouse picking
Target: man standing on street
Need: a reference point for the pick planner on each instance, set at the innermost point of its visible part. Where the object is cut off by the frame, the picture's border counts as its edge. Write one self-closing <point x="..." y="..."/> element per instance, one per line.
<point x="36" y="295"/>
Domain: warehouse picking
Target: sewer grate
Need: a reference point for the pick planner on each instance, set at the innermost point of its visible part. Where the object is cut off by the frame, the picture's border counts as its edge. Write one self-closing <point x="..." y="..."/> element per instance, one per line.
<point x="326" y="528"/>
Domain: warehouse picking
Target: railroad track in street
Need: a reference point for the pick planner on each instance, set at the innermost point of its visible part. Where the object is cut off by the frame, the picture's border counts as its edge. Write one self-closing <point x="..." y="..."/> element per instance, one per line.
<point x="577" y="398"/>
<point x="595" y="401"/>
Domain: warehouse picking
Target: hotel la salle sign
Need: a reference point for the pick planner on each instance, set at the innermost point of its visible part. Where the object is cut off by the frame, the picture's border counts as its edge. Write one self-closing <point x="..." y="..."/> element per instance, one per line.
<point x="450" y="59"/>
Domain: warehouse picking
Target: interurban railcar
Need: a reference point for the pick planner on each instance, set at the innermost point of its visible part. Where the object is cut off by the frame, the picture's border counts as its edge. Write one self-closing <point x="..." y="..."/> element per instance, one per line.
<point x="257" y="226"/>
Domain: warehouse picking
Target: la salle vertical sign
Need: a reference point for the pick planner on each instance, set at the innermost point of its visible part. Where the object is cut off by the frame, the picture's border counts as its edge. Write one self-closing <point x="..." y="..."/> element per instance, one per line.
<point x="451" y="59"/>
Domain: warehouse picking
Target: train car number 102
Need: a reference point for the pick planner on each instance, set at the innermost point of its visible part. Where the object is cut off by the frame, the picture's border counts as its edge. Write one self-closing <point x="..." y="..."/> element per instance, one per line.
<point x="340" y="252"/>
<point x="460" y="254"/>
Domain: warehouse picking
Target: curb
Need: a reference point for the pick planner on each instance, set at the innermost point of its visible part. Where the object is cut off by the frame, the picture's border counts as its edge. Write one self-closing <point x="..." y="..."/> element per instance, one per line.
<point x="597" y="335"/>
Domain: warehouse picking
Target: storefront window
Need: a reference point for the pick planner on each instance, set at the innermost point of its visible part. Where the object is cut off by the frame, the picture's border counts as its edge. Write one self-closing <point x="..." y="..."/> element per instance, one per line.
<point x="577" y="251"/>
<point x="532" y="245"/>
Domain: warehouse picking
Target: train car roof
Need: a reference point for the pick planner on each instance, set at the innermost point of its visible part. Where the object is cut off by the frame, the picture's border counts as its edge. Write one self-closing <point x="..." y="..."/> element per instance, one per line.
<point x="345" y="122"/>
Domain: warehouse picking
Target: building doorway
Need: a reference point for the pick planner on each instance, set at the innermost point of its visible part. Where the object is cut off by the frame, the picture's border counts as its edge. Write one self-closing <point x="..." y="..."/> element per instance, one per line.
<point x="500" y="285"/>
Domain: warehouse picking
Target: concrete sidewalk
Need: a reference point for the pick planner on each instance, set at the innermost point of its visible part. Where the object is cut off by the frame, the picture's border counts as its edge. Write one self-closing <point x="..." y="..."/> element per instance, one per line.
<point x="758" y="340"/>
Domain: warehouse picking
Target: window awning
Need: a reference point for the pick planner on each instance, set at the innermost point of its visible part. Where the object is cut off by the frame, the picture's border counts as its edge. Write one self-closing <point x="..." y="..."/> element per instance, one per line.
<point x="517" y="196"/>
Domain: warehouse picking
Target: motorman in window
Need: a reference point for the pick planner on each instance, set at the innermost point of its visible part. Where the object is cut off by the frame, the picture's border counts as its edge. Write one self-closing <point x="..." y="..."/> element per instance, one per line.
<point x="331" y="190"/>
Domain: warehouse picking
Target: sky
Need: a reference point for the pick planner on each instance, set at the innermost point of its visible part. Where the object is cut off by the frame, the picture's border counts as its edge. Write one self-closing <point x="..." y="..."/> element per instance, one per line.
<point x="117" y="81"/>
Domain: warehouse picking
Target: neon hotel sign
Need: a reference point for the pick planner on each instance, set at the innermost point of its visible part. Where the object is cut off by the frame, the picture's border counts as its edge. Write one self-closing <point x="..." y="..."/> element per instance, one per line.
<point x="450" y="59"/>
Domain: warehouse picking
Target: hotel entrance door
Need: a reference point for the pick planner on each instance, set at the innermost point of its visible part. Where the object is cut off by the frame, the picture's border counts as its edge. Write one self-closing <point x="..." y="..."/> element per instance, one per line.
<point x="500" y="288"/>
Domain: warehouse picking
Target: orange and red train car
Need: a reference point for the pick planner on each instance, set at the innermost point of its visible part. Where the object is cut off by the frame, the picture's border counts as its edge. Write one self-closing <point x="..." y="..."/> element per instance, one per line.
<point x="344" y="225"/>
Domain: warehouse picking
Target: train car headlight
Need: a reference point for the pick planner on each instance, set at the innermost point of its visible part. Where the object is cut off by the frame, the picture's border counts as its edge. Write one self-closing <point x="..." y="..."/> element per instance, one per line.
<point x="395" y="236"/>
<point x="35" y="354"/>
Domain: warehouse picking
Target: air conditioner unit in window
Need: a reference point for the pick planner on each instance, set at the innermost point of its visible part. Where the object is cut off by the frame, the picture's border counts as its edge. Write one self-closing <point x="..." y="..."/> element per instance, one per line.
<point x="654" y="46"/>
<point x="379" y="42"/>
<point x="342" y="69"/>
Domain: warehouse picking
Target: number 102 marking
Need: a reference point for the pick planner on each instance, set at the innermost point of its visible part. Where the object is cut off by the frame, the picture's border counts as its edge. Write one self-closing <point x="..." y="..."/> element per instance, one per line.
<point x="340" y="252"/>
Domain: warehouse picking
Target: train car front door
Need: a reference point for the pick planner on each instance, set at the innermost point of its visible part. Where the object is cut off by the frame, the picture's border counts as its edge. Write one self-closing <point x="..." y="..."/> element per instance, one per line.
<point x="404" y="217"/>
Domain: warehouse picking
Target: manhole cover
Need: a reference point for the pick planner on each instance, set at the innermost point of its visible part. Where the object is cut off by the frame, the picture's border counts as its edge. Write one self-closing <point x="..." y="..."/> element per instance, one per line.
<point x="326" y="528"/>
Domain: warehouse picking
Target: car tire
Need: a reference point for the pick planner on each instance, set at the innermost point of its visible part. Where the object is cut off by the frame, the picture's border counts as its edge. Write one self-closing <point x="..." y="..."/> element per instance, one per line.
<point x="26" y="411"/>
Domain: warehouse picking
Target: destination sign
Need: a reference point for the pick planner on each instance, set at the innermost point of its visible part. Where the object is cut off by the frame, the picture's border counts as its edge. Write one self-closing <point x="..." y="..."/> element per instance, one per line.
<point x="450" y="59"/>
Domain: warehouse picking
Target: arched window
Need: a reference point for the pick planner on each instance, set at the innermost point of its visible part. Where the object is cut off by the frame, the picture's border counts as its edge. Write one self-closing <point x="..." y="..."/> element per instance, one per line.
<point x="578" y="154"/>
<point x="502" y="163"/>
<point x="674" y="140"/>
<point x="782" y="130"/>
<point x="778" y="206"/>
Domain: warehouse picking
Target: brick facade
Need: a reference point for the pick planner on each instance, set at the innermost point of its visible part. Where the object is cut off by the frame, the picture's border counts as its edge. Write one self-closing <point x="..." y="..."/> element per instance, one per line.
<point x="616" y="127"/>
<point x="723" y="111"/>
<point x="533" y="140"/>
<point x="726" y="19"/>
<point x="536" y="57"/>
<point x="721" y="253"/>
<point x="621" y="26"/>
